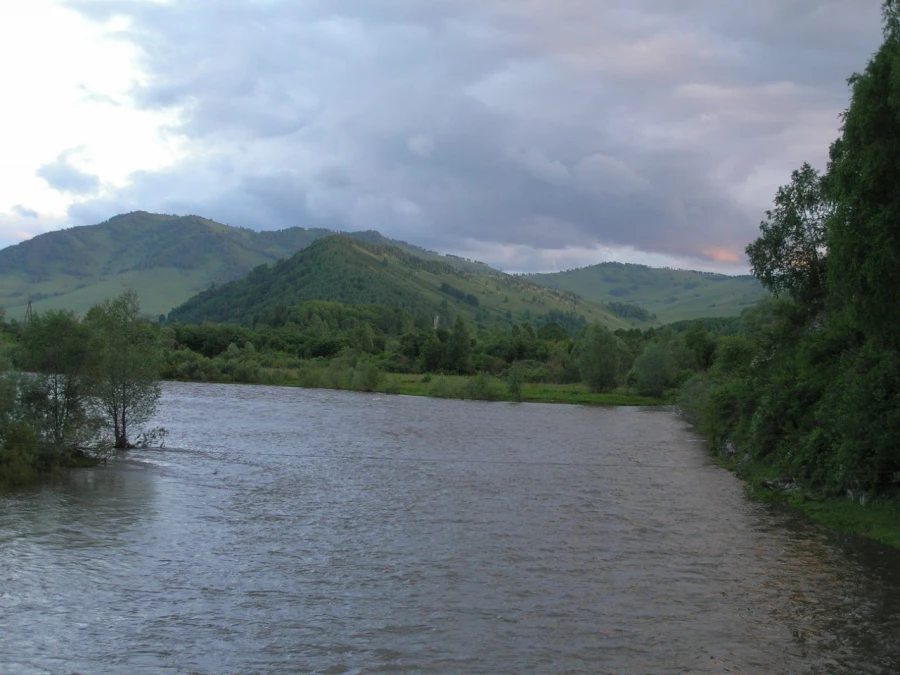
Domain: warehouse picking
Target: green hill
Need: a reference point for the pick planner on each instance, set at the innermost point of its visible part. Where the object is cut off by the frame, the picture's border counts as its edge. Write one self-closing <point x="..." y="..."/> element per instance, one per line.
<point x="166" y="259"/>
<point x="672" y="295"/>
<point x="341" y="269"/>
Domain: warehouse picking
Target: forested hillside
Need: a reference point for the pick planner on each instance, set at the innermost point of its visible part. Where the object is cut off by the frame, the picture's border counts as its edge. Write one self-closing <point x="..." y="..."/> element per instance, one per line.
<point x="165" y="259"/>
<point x="670" y="295"/>
<point x="345" y="270"/>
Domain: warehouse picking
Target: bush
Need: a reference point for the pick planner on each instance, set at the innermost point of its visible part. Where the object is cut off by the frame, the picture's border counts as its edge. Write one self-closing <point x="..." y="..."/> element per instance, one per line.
<point x="482" y="387"/>
<point x="366" y="377"/>
<point x="442" y="387"/>
<point x="514" y="383"/>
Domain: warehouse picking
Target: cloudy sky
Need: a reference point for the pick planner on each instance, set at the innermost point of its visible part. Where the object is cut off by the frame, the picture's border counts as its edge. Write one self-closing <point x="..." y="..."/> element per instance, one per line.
<point x="531" y="134"/>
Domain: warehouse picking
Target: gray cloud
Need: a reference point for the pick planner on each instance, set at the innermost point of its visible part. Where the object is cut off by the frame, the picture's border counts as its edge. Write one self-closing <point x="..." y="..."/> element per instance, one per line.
<point x="24" y="212"/>
<point x="553" y="124"/>
<point x="61" y="175"/>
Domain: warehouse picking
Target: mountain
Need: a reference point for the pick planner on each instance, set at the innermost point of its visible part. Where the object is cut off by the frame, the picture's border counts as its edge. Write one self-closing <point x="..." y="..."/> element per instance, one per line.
<point x="166" y="259"/>
<point x="343" y="269"/>
<point x="671" y="295"/>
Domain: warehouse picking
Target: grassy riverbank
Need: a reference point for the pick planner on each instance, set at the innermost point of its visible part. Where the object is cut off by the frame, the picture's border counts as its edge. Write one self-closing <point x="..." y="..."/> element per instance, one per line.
<point x="873" y="518"/>
<point x="479" y="387"/>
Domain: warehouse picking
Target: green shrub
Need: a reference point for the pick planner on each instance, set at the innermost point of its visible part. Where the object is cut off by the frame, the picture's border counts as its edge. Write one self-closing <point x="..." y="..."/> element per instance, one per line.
<point x="366" y="377"/>
<point x="442" y="387"/>
<point x="514" y="383"/>
<point x="482" y="387"/>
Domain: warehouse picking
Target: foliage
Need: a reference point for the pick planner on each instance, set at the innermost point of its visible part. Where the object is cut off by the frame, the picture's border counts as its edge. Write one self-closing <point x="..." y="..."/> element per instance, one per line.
<point x="655" y="370"/>
<point x="863" y="237"/>
<point x="342" y="270"/>
<point x="789" y="256"/>
<point x="56" y="414"/>
<point x="602" y="358"/>
<point x="127" y="380"/>
<point x="514" y="380"/>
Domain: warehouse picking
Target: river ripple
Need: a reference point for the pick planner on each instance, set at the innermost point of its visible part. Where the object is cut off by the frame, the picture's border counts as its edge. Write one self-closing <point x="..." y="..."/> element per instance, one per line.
<point x="296" y="531"/>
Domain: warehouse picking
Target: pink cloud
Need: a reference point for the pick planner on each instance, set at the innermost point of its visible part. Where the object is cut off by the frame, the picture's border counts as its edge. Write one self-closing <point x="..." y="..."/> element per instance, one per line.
<point x="722" y="254"/>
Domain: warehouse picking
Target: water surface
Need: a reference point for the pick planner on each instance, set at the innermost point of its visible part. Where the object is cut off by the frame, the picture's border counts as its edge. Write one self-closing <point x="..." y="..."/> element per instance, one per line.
<point x="298" y="531"/>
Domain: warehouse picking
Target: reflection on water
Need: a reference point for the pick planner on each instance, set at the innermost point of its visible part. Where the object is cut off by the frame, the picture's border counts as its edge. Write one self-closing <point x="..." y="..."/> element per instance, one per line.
<point x="314" y="531"/>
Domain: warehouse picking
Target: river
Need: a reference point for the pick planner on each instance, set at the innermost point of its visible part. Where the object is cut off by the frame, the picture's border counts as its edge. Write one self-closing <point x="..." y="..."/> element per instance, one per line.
<point x="308" y="531"/>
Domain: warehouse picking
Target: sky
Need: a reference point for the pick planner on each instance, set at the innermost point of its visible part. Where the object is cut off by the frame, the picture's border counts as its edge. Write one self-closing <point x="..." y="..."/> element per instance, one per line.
<point x="534" y="135"/>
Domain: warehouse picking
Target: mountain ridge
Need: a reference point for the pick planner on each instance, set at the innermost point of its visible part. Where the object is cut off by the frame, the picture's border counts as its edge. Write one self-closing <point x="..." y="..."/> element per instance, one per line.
<point x="342" y="269"/>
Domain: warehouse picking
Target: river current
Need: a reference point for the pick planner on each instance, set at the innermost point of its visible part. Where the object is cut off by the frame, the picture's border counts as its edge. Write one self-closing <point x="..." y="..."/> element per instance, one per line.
<point x="306" y="531"/>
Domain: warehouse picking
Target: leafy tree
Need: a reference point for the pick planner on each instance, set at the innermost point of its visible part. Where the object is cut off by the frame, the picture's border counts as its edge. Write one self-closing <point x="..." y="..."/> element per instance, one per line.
<point x="601" y="358"/>
<point x="57" y="348"/>
<point x="789" y="257"/>
<point x="431" y="355"/>
<point x="459" y="347"/>
<point x="655" y="370"/>
<point x="864" y="237"/>
<point x="127" y="381"/>
<point x="702" y="344"/>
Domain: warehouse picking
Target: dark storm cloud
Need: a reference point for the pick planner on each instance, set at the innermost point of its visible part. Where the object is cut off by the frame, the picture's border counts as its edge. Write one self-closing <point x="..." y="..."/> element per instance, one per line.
<point x="61" y="175"/>
<point x="660" y="126"/>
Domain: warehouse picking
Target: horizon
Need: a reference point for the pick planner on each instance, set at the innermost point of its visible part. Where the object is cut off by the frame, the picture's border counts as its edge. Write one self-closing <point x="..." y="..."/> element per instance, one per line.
<point x="409" y="243"/>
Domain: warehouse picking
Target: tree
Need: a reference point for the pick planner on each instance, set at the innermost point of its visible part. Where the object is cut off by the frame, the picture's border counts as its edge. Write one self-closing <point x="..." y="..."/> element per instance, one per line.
<point x="431" y="355"/>
<point x="56" y="347"/>
<point x="789" y="258"/>
<point x="863" y="236"/>
<point x="127" y="377"/>
<point x="654" y="370"/>
<point x="601" y="358"/>
<point x="459" y="347"/>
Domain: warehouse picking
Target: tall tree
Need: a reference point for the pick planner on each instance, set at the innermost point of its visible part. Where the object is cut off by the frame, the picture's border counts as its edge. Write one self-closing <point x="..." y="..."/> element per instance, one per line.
<point x="864" y="233"/>
<point x="127" y="384"/>
<point x="56" y="347"/>
<point x="789" y="257"/>
<point x="601" y="357"/>
<point x="459" y="347"/>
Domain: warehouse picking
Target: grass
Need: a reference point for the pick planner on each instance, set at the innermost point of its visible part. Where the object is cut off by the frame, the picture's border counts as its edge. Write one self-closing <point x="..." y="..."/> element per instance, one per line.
<point x="877" y="519"/>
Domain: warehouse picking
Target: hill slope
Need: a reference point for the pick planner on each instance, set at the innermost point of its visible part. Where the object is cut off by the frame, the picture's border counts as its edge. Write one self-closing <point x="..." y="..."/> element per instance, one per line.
<point x="341" y="269"/>
<point x="672" y="295"/>
<point x="166" y="259"/>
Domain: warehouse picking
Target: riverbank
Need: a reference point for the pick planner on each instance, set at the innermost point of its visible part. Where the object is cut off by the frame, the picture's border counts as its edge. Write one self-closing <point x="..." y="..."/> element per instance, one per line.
<point x="872" y="518"/>
<point x="495" y="389"/>
<point x="480" y="387"/>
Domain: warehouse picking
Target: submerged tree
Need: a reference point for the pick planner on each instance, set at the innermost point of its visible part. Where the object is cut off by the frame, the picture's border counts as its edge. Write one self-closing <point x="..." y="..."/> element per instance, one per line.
<point x="127" y="378"/>
<point x="57" y="348"/>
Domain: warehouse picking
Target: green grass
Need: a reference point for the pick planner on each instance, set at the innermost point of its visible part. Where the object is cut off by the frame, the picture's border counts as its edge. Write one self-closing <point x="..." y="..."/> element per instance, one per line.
<point x="877" y="519"/>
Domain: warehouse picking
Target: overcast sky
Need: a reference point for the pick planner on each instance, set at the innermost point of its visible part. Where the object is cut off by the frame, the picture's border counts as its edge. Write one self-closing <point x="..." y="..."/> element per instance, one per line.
<point x="530" y="134"/>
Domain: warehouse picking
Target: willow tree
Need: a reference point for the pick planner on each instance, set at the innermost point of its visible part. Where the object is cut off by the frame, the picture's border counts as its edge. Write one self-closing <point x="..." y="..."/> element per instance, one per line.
<point x="127" y="375"/>
<point x="864" y="233"/>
